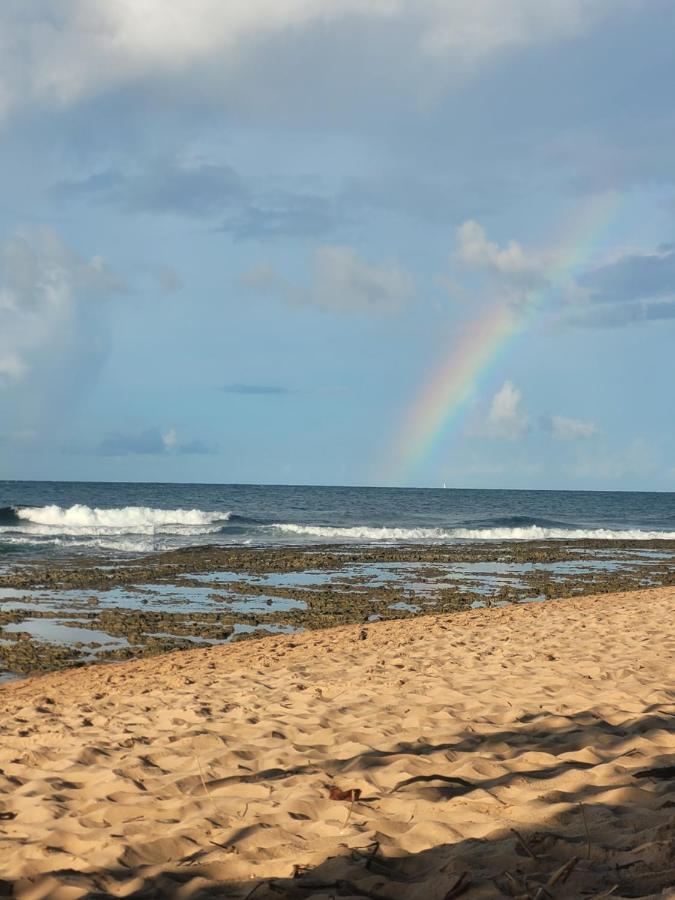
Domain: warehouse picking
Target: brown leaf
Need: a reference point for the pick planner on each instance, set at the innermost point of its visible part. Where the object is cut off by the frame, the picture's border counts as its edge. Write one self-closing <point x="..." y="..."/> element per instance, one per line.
<point x="352" y="794"/>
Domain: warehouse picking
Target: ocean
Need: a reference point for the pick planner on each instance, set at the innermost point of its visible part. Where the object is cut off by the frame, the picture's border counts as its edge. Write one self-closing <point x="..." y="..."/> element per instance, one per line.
<point x="55" y="518"/>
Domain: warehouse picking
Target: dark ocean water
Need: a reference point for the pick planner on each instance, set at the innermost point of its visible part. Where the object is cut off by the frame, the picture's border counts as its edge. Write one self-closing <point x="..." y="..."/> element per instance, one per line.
<point x="53" y="517"/>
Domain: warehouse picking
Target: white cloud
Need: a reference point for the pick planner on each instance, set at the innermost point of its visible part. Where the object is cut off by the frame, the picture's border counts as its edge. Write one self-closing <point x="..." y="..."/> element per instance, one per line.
<point x="59" y="52"/>
<point x="472" y="28"/>
<point x="630" y="288"/>
<point x="564" y="429"/>
<point x="12" y="368"/>
<point x="515" y="270"/>
<point x="170" y="439"/>
<point x="506" y="417"/>
<point x="476" y="251"/>
<point x="51" y="328"/>
<point x="341" y="281"/>
<point x="520" y="277"/>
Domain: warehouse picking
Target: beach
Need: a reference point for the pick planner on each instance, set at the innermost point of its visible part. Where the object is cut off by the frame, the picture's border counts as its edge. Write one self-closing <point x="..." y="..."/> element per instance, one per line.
<point x="337" y="468"/>
<point x="518" y="751"/>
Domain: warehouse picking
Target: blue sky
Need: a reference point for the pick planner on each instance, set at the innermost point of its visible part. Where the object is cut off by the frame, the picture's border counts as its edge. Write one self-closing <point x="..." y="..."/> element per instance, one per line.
<point x="237" y="238"/>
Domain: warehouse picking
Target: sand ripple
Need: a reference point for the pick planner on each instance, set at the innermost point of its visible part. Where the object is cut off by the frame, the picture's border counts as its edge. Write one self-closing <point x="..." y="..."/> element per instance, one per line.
<point x="484" y="754"/>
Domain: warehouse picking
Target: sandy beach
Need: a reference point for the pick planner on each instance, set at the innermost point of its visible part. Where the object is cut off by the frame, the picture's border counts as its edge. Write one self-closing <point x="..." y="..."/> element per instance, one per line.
<point x="524" y="751"/>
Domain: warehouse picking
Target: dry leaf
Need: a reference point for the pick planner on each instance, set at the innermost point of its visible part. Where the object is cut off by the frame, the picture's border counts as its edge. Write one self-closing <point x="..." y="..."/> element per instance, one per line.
<point x="352" y="794"/>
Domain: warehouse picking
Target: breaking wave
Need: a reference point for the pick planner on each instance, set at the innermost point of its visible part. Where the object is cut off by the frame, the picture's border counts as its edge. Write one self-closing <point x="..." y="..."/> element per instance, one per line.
<point x="86" y="520"/>
<point x="525" y="533"/>
<point x="143" y="529"/>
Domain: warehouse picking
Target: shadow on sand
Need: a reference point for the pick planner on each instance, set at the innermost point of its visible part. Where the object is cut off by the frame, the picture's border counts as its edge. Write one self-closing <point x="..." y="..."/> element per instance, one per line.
<point x="613" y="834"/>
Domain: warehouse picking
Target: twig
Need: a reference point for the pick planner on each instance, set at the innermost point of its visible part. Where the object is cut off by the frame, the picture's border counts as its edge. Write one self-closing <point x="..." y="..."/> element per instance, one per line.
<point x="515" y="886"/>
<point x="339" y="884"/>
<point x="458" y="887"/>
<point x="523" y="843"/>
<point x="495" y="797"/>
<point x="349" y="811"/>
<point x="253" y="890"/>
<point x="335" y="696"/>
<point x="446" y="779"/>
<point x="604" y="893"/>
<point x="563" y="873"/>
<point x="374" y="850"/>
<point x="201" y="775"/>
<point x="588" y="834"/>
<point x="383" y="866"/>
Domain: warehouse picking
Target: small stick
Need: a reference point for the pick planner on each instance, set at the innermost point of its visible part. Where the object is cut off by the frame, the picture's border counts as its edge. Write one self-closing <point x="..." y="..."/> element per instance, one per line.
<point x="373" y="853"/>
<point x="523" y="843"/>
<point x="335" y="696"/>
<point x="515" y="886"/>
<point x="340" y="884"/>
<point x="349" y="811"/>
<point x="604" y="893"/>
<point x="588" y="834"/>
<point x="458" y="886"/>
<point x="201" y="775"/>
<point x="563" y="873"/>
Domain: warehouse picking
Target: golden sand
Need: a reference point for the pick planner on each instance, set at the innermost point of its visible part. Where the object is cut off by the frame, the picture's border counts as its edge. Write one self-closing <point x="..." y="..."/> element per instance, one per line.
<point x="495" y="752"/>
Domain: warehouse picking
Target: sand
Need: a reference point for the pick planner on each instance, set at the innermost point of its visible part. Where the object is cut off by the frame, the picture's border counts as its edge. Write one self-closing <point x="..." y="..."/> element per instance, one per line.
<point x="495" y="752"/>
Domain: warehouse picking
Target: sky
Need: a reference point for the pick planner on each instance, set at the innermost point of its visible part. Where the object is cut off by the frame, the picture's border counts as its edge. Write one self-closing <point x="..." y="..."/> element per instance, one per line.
<point x="385" y="242"/>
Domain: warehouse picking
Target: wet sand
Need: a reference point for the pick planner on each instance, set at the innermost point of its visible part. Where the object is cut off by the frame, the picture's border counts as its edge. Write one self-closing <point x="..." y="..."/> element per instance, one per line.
<point x="523" y="751"/>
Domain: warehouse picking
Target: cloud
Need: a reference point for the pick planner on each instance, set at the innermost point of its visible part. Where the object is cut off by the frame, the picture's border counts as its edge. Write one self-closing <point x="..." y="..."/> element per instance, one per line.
<point x="150" y="442"/>
<point x="247" y="208"/>
<point x="273" y="214"/>
<point x="512" y="262"/>
<point x="170" y="439"/>
<point x="506" y="418"/>
<point x="341" y="281"/>
<point x="622" y="314"/>
<point x="512" y="274"/>
<point x="12" y="368"/>
<point x="53" y="333"/>
<point x="59" y="53"/>
<point x="635" y="287"/>
<point x="564" y="429"/>
<point x="175" y="186"/>
<point x="633" y="276"/>
<point x="252" y="390"/>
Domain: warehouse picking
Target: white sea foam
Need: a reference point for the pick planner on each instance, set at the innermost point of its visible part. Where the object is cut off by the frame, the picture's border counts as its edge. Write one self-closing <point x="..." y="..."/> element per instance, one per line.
<point x="365" y="533"/>
<point x="79" y="520"/>
<point x="525" y="533"/>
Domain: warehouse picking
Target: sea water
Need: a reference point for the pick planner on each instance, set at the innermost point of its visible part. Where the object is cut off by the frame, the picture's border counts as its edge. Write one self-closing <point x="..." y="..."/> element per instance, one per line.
<point x="50" y="518"/>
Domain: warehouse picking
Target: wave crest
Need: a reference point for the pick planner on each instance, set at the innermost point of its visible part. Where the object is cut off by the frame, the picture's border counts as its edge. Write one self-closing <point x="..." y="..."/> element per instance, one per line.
<point x="80" y="519"/>
<point x="526" y="533"/>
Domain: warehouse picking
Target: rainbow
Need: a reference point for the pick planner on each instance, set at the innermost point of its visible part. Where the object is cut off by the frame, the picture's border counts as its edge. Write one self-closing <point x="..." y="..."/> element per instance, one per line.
<point x="445" y="393"/>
